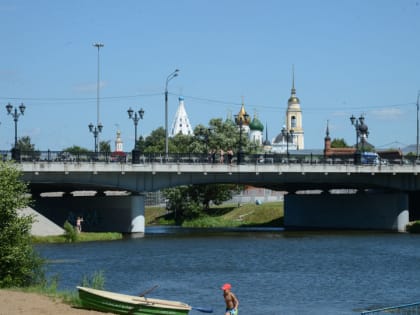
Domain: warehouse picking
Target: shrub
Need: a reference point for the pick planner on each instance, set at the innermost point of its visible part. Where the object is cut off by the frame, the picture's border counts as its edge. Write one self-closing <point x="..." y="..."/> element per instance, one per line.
<point x="20" y="265"/>
<point x="70" y="232"/>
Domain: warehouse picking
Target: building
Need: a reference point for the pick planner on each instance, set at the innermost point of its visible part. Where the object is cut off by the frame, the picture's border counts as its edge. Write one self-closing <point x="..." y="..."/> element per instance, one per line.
<point x="291" y="137"/>
<point x="256" y="129"/>
<point x="181" y="124"/>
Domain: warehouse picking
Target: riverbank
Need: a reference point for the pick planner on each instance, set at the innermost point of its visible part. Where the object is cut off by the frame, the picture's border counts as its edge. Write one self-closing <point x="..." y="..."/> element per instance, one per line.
<point x="26" y="303"/>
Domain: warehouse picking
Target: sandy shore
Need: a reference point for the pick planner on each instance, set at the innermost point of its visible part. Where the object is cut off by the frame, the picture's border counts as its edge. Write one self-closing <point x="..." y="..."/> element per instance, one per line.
<point x="20" y="303"/>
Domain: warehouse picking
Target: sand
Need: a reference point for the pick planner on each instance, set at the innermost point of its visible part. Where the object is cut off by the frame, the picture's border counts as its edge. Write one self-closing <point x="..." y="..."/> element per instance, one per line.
<point x="21" y="303"/>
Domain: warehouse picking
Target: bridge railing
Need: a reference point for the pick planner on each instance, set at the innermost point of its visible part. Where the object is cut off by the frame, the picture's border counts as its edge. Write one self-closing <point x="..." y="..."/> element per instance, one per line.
<point x="186" y="158"/>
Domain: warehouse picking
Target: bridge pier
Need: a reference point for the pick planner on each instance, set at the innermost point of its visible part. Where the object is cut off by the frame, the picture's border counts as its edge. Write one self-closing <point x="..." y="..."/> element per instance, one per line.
<point x="103" y="213"/>
<point x="377" y="211"/>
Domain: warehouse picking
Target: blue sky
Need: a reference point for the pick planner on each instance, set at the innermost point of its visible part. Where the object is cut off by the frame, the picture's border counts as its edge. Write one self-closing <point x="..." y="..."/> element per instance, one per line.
<point x="350" y="57"/>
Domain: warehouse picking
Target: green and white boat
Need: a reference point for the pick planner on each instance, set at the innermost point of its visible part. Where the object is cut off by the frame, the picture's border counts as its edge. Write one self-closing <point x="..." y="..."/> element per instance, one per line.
<point x="117" y="303"/>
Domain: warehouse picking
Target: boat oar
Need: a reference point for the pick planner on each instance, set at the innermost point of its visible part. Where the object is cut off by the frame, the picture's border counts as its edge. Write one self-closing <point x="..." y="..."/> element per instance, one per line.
<point x="202" y="309"/>
<point x="148" y="290"/>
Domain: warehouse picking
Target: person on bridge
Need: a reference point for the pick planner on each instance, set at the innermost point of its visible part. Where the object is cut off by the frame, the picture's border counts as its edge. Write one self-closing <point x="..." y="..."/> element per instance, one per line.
<point x="231" y="301"/>
<point x="230" y="156"/>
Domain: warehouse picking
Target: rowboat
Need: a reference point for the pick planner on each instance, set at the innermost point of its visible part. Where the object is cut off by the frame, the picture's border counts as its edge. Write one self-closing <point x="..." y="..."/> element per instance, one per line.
<point x="117" y="303"/>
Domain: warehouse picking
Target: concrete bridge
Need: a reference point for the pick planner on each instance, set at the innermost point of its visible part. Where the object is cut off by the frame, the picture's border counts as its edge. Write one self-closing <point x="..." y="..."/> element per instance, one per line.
<point x="370" y="196"/>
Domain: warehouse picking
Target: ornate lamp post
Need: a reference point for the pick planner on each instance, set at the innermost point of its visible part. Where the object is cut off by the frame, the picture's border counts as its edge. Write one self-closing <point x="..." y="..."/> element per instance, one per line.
<point x="99" y="46"/>
<point x="169" y="78"/>
<point x="288" y="135"/>
<point x="240" y="120"/>
<point x="15" y="114"/>
<point x="361" y="132"/>
<point x="96" y="130"/>
<point x="136" y="118"/>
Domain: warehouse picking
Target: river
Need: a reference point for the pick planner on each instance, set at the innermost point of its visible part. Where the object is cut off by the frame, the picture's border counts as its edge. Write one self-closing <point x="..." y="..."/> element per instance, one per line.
<point x="271" y="271"/>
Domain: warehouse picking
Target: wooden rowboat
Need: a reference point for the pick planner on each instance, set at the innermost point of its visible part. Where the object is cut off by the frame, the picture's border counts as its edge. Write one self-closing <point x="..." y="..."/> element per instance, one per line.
<point x="117" y="303"/>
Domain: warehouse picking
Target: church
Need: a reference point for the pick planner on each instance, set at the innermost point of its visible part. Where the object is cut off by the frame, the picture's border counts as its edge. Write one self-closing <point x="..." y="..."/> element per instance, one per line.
<point x="291" y="136"/>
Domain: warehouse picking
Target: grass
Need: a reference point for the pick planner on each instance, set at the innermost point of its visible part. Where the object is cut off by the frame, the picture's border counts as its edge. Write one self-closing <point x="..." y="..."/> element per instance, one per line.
<point x="228" y="215"/>
<point x="81" y="237"/>
<point x="268" y="214"/>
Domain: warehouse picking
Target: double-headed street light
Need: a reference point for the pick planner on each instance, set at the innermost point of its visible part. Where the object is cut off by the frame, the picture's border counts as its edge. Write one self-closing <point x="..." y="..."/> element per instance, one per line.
<point x="99" y="46"/>
<point x="96" y="130"/>
<point x="15" y="114"/>
<point x="361" y="132"/>
<point x="169" y="78"/>
<point x="135" y="117"/>
<point x="288" y="135"/>
<point x="240" y="121"/>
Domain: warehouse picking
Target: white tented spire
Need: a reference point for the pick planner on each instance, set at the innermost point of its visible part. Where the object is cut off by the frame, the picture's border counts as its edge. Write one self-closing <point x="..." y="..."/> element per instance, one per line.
<point x="181" y="122"/>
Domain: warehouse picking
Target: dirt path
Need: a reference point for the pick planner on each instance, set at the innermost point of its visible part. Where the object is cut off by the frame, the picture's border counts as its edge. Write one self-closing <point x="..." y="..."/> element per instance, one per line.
<point x="20" y="303"/>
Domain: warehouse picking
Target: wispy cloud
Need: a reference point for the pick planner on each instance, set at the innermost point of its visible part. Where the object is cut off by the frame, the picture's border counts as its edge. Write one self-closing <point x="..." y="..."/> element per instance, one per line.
<point x="390" y="113"/>
<point x="88" y="87"/>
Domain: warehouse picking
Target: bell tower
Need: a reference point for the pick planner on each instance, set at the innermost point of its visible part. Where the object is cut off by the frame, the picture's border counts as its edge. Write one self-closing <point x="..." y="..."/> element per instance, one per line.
<point x="294" y="116"/>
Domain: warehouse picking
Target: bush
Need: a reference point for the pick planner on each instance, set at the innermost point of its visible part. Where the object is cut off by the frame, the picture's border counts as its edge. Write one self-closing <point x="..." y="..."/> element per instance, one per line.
<point x="70" y="232"/>
<point x="414" y="228"/>
<point x="20" y="265"/>
<point x="97" y="281"/>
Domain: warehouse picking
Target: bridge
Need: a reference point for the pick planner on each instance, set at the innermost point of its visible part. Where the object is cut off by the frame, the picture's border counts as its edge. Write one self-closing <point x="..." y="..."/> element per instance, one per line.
<point x="322" y="193"/>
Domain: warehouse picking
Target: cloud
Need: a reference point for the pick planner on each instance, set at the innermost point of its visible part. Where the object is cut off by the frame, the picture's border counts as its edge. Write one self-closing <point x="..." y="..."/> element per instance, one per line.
<point x="390" y="113"/>
<point x="89" y="87"/>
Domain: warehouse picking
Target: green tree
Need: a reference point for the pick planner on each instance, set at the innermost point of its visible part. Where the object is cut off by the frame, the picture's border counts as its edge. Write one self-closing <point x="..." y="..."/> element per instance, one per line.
<point x="27" y="149"/>
<point x="105" y="146"/>
<point x="75" y="150"/>
<point x="339" y="143"/>
<point x="20" y="265"/>
<point x="155" y="142"/>
<point x="191" y="202"/>
<point x="24" y="144"/>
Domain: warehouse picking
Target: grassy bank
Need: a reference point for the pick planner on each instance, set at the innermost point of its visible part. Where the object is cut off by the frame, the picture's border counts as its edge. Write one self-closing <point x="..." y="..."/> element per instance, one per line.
<point x="228" y="215"/>
<point x="81" y="237"/>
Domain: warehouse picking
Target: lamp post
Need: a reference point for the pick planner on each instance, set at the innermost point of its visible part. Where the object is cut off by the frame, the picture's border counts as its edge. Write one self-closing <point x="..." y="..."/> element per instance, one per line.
<point x="136" y="118"/>
<point x="361" y="132"/>
<point x="96" y="130"/>
<point x="287" y="134"/>
<point x="240" y="120"/>
<point x="169" y="78"/>
<point x="99" y="46"/>
<point x="15" y="114"/>
<point x="417" y="142"/>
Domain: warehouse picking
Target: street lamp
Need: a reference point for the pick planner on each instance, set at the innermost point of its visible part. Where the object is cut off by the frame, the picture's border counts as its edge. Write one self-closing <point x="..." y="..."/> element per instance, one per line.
<point x="240" y="120"/>
<point x="15" y="114"/>
<point x="169" y="78"/>
<point x="99" y="46"/>
<point x="96" y="130"/>
<point x="287" y="134"/>
<point x="136" y="117"/>
<point x="361" y="132"/>
<point x="417" y="143"/>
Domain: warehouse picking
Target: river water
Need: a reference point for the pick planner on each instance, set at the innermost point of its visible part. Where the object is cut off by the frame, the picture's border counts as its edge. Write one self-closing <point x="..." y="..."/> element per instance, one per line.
<point x="271" y="271"/>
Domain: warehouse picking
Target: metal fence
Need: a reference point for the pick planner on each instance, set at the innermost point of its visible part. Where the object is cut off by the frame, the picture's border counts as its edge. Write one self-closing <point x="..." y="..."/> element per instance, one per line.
<point x="137" y="157"/>
<point x="405" y="309"/>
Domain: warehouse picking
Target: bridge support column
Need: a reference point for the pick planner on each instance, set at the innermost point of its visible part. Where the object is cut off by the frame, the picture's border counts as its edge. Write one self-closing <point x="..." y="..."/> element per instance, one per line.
<point x="378" y="211"/>
<point x="124" y="214"/>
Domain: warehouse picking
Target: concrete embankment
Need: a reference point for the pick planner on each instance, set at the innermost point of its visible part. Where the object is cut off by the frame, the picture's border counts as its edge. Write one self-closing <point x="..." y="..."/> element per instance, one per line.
<point x="42" y="226"/>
